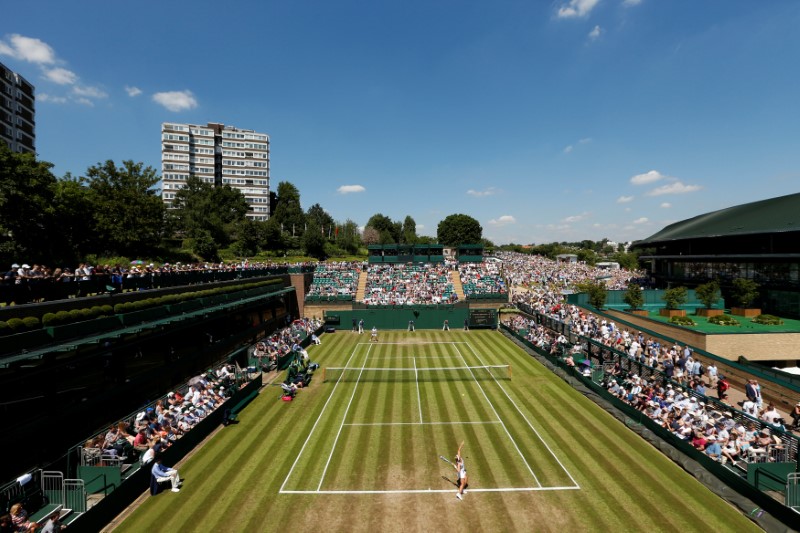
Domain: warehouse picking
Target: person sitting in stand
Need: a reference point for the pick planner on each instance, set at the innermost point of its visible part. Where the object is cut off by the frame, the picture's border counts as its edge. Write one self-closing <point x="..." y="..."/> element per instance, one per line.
<point x="19" y="517"/>
<point x="163" y="473"/>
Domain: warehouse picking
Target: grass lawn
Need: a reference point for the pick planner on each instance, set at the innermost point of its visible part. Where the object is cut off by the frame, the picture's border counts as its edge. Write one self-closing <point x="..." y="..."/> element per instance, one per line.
<point x="788" y="326"/>
<point x="361" y="453"/>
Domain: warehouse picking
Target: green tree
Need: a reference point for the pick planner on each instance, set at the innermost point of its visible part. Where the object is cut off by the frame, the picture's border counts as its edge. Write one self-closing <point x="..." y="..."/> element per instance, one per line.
<point x="75" y="231"/>
<point x="203" y="244"/>
<point x="409" y="230"/>
<point x="127" y="211"/>
<point x="587" y="255"/>
<point x="288" y="212"/>
<point x="708" y="293"/>
<point x="247" y="237"/>
<point x="271" y="236"/>
<point x="388" y="231"/>
<point x="370" y="236"/>
<point x="744" y="292"/>
<point x="321" y="218"/>
<point x="627" y="260"/>
<point x="314" y="241"/>
<point x="596" y="291"/>
<point x="459" y="229"/>
<point x="634" y="296"/>
<point x="26" y="197"/>
<point x="348" y="237"/>
<point x="675" y="297"/>
<point x="201" y="207"/>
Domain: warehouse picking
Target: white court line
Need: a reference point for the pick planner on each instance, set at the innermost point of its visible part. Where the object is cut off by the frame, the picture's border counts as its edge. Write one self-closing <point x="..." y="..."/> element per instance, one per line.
<point x="344" y="417"/>
<point x="413" y="343"/>
<point x="315" y="424"/>
<point x="421" y="423"/>
<point x="528" y="422"/>
<point x="500" y="419"/>
<point x="430" y="491"/>
<point x="419" y="398"/>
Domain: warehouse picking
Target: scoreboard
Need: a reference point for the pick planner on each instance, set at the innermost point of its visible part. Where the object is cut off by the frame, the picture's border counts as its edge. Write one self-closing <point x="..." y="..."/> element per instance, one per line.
<point x="483" y="318"/>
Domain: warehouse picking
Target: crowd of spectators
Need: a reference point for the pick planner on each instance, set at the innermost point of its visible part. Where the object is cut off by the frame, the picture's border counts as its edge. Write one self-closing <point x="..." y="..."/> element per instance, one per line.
<point x="23" y="283"/>
<point x="335" y="279"/>
<point x="482" y="278"/>
<point x="285" y="341"/>
<point x="409" y="284"/>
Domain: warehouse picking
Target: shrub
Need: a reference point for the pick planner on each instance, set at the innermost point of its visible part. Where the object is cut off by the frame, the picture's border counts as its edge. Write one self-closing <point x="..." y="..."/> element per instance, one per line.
<point x="16" y="325"/>
<point x="708" y="293"/>
<point x="744" y="292"/>
<point x="767" y="320"/>
<point x="634" y="296"/>
<point x="107" y="310"/>
<point x="97" y="311"/>
<point x="119" y="309"/>
<point x="86" y="314"/>
<point x="31" y="322"/>
<point x="723" y="320"/>
<point x="75" y="315"/>
<point x="62" y="317"/>
<point x="49" y="320"/>
<point x="4" y="329"/>
<point x="682" y="321"/>
<point x="675" y="297"/>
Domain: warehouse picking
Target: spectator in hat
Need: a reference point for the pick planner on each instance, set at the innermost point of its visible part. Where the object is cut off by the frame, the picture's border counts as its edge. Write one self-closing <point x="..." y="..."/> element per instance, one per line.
<point x="713" y="449"/>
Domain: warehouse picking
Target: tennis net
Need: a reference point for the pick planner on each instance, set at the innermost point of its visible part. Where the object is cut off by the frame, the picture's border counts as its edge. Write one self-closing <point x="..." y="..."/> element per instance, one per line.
<point x="405" y="374"/>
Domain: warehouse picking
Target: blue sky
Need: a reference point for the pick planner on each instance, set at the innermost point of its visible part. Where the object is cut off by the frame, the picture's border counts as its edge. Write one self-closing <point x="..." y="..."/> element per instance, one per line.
<point x="545" y="120"/>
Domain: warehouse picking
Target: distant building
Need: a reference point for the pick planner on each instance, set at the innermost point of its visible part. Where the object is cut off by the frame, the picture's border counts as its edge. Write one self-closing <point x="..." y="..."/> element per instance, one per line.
<point x="17" y="111"/>
<point x="219" y="155"/>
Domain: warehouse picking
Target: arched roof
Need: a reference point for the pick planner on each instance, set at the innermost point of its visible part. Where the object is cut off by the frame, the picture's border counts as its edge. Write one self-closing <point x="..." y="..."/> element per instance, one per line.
<point x="774" y="215"/>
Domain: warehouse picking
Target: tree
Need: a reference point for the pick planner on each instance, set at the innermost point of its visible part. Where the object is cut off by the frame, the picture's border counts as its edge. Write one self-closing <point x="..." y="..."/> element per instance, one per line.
<point x="271" y="237"/>
<point x="321" y="218"/>
<point x="675" y="297"/>
<point x="203" y="244"/>
<point x="370" y="236"/>
<point x="201" y="207"/>
<point x="314" y="241"/>
<point x="348" y="237"/>
<point x="634" y="296"/>
<point x="388" y="231"/>
<point x="459" y="229"/>
<point x="708" y="293"/>
<point x="248" y="237"/>
<point x="127" y="211"/>
<point x="74" y="230"/>
<point x="409" y="230"/>
<point x="288" y="213"/>
<point x="627" y="260"/>
<point x="26" y="197"/>
<point x="596" y="292"/>
<point x="744" y="292"/>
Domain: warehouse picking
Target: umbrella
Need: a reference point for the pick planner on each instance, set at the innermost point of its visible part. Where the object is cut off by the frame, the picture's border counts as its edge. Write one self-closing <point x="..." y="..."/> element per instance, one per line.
<point x="137" y="262"/>
<point x="586" y="362"/>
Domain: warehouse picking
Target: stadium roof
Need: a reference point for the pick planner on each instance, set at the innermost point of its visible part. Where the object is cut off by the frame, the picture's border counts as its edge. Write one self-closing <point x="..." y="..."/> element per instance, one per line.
<point x="774" y="215"/>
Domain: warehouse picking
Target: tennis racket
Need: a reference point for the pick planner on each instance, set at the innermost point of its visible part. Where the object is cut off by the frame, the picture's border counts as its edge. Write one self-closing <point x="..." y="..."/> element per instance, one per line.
<point x="446" y="460"/>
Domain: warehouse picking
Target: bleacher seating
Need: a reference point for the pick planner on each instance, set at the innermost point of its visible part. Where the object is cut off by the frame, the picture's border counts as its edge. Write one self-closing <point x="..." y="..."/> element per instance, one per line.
<point x="334" y="281"/>
<point x="482" y="280"/>
<point x="409" y="284"/>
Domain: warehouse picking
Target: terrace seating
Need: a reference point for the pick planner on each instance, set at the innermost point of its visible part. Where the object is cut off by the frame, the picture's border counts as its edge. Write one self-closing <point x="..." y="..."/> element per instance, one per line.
<point x="482" y="281"/>
<point x="411" y="284"/>
<point x="336" y="281"/>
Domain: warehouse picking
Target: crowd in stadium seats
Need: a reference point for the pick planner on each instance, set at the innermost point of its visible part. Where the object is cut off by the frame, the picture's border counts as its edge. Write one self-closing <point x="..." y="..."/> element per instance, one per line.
<point x="409" y="284"/>
<point x="335" y="279"/>
<point x="481" y="278"/>
<point x="24" y="283"/>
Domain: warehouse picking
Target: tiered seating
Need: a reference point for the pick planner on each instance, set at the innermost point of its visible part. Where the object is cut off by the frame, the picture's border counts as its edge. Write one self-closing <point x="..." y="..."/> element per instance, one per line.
<point x="411" y="284"/>
<point x="334" y="281"/>
<point x="481" y="280"/>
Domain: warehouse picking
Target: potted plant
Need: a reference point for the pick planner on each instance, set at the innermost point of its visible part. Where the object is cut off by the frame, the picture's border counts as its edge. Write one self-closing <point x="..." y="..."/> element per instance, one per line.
<point x="708" y="293"/>
<point x="596" y="292"/>
<point x="634" y="297"/>
<point x="674" y="299"/>
<point x="744" y="292"/>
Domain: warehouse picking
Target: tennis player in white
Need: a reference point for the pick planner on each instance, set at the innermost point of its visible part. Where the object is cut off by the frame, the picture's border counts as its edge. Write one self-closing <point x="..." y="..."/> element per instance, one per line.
<point x="461" y="469"/>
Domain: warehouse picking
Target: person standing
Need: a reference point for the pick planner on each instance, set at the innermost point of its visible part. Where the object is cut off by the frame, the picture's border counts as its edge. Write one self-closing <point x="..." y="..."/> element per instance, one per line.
<point x="466" y="324"/>
<point x="411" y="325"/>
<point x="461" y="470"/>
<point x="361" y="326"/>
<point x="374" y="336"/>
<point x="446" y="325"/>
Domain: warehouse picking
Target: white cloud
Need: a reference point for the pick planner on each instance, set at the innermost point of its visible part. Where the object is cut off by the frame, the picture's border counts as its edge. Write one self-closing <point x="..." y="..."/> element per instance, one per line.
<point x="647" y="177"/>
<point x="631" y="3"/>
<point x="85" y="101"/>
<point x="28" y="49"/>
<point x="641" y="220"/>
<point x="44" y="97"/>
<point x="61" y="76"/>
<point x="624" y="199"/>
<point x="176" y="101"/>
<point x="575" y="218"/>
<point x="595" y="33"/>
<point x="676" y="187"/>
<point x="88" y="92"/>
<point x="666" y="205"/>
<point x="347" y="189"/>
<point x="133" y="91"/>
<point x="585" y="140"/>
<point x="568" y="149"/>
<point x="486" y="192"/>
<point x="576" y="8"/>
<point x="504" y="220"/>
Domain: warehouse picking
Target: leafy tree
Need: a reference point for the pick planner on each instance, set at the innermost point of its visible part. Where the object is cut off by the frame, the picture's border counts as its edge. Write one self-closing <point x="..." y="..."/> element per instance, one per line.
<point x="127" y="211"/>
<point x="203" y="244"/>
<point x="426" y="239"/>
<point x="314" y="241"/>
<point x="389" y="232"/>
<point x="348" y="237"/>
<point x="288" y="212"/>
<point x="596" y="292"/>
<point x="459" y="229"/>
<point x="321" y="218"/>
<point x="26" y="197"/>
<point x="744" y="292"/>
<point x="370" y="236"/>
<point x="71" y="203"/>
<point x="708" y="293"/>
<point x="248" y="237"/>
<point x="270" y="236"/>
<point x="627" y="260"/>
<point x="409" y="230"/>
<point x="587" y="255"/>
<point x="201" y="207"/>
<point x="675" y="297"/>
<point x="634" y="296"/>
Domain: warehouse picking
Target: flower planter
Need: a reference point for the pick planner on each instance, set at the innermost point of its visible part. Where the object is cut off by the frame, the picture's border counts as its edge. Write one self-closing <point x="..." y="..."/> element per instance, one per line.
<point x="640" y="312"/>
<point x="710" y="312"/>
<point x="669" y="313"/>
<point x="747" y="312"/>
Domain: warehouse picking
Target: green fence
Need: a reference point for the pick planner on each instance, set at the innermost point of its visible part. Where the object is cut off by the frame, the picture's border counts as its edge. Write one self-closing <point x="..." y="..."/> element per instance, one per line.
<point x="653" y="299"/>
<point x="424" y="317"/>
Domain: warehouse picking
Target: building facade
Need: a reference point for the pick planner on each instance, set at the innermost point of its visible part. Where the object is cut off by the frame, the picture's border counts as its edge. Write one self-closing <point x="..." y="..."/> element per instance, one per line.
<point x="17" y="111"/>
<point x="219" y="155"/>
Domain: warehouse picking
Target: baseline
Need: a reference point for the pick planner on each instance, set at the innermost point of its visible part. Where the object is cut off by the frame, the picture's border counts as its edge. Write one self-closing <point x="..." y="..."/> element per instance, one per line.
<point x="429" y="491"/>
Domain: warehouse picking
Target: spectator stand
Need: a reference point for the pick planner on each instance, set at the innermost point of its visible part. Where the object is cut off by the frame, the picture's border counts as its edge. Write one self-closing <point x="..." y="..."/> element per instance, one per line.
<point x="334" y="282"/>
<point x="483" y="281"/>
<point x="44" y="494"/>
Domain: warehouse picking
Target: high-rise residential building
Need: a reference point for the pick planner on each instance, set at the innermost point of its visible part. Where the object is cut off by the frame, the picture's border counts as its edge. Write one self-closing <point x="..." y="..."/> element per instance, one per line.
<point x="17" y="114"/>
<point x="219" y="155"/>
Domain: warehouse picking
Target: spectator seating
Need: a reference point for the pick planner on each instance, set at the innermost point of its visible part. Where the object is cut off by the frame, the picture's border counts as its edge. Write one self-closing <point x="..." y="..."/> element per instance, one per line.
<point x="337" y="281"/>
<point x="411" y="284"/>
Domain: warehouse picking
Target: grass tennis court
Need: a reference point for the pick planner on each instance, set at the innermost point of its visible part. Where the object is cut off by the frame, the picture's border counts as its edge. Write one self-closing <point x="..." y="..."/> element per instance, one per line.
<point x="359" y="451"/>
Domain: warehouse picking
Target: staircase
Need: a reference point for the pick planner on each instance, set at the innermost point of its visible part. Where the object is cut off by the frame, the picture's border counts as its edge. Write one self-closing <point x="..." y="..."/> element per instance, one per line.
<point x="362" y="286"/>
<point x="455" y="279"/>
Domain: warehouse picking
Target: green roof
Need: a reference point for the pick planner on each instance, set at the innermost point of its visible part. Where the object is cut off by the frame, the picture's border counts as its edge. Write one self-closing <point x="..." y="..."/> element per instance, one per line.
<point x="774" y="215"/>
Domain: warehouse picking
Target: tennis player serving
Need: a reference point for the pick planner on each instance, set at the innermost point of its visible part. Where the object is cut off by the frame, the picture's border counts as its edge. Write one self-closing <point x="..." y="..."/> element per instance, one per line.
<point x="461" y="469"/>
